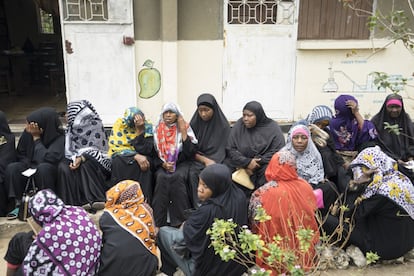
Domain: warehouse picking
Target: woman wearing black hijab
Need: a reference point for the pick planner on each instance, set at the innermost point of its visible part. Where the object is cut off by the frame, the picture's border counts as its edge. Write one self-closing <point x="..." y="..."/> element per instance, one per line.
<point x="221" y="199"/>
<point x="41" y="146"/>
<point x="7" y="155"/>
<point x="252" y="142"/>
<point x="399" y="147"/>
<point x="212" y="129"/>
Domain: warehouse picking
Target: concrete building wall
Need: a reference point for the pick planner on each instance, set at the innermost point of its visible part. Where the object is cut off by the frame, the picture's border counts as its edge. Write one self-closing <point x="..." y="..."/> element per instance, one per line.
<point x="185" y="39"/>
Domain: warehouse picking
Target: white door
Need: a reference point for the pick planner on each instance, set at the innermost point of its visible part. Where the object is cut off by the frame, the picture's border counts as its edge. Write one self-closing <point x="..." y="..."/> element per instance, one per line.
<point x="259" y="56"/>
<point x="98" y="65"/>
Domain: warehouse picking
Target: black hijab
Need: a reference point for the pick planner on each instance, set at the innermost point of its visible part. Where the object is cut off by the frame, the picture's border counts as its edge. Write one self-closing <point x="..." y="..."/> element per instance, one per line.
<point x="261" y="141"/>
<point x="211" y="134"/>
<point x="48" y="119"/>
<point x="396" y="146"/>
<point x="227" y="201"/>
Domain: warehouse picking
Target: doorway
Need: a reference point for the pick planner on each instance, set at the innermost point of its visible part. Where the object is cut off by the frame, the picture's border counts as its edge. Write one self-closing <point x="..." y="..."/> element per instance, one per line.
<point x="259" y="56"/>
<point x="31" y="58"/>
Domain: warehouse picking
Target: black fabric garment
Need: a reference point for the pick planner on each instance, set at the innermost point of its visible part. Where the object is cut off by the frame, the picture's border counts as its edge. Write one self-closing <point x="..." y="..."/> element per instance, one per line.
<point x="227" y="201"/>
<point x="7" y="155"/>
<point x="170" y="196"/>
<point x="396" y="146"/>
<point x="381" y="226"/>
<point x="122" y="253"/>
<point x="211" y="135"/>
<point x="125" y="166"/>
<point x="43" y="154"/>
<point x="86" y="184"/>
<point x="170" y="192"/>
<point x="331" y="159"/>
<point x="18" y="248"/>
<point x="260" y="141"/>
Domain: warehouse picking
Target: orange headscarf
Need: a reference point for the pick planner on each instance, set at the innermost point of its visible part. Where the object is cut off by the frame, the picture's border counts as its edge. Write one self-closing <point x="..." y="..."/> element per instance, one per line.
<point x="126" y="204"/>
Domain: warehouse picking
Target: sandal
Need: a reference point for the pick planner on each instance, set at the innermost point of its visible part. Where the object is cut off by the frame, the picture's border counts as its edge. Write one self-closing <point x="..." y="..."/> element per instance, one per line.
<point x="98" y="205"/>
<point x="13" y="214"/>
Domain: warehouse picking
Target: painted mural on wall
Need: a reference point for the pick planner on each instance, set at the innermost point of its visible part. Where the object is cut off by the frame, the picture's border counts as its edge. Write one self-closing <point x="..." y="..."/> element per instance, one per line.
<point x="149" y="80"/>
<point x="371" y="84"/>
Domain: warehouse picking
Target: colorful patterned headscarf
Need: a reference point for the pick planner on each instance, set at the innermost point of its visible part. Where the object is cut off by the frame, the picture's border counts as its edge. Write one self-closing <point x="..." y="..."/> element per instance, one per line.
<point x="387" y="180"/>
<point x="123" y="132"/>
<point x="69" y="242"/>
<point x="167" y="138"/>
<point x="126" y="204"/>
<point x="85" y="134"/>
<point x="308" y="162"/>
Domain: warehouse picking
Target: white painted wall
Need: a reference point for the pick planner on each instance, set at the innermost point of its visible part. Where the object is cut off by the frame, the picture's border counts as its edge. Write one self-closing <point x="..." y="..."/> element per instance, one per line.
<point x="199" y="70"/>
<point x="313" y="61"/>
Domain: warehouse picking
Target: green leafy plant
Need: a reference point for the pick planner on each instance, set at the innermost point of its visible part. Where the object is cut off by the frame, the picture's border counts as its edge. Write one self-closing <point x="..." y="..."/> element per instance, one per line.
<point x="394" y="21"/>
<point x="372" y="257"/>
<point x="241" y="245"/>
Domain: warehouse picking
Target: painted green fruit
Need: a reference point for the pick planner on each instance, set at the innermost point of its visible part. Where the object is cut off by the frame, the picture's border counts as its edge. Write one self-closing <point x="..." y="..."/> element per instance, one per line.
<point x="149" y="80"/>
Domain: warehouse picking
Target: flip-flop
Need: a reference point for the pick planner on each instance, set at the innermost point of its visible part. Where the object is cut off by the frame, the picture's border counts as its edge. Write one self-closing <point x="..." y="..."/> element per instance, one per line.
<point x="87" y="207"/>
<point x="13" y="214"/>
<point x="98" y="205"/>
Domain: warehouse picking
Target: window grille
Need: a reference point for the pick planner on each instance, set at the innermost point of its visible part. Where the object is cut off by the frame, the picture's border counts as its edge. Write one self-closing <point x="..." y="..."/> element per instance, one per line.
<point x="260" y="12"/>
<point x="85" y="10"/>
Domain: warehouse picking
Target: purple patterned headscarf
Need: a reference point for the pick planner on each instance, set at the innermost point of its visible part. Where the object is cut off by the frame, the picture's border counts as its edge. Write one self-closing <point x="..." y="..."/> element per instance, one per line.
<point x="344" y="126"/>
<point x="69" y="242"/>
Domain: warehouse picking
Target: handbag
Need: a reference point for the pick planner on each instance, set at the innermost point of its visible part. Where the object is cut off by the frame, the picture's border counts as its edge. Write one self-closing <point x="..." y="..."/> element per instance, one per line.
<point x="242" y="177"/>
<point x="29" y="191"/>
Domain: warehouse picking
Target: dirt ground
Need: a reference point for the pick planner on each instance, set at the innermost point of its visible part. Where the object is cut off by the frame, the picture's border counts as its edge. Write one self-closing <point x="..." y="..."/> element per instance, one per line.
<point x="9" y="228"/>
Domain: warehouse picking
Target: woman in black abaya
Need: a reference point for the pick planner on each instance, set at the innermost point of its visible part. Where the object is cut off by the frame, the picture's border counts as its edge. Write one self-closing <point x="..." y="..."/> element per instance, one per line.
<point x="212" y="129"/>
<point x="220" y="199"/>
<point x="7" y="155"/>
<point x="41" y="146"/>
<point x="252" y="142"/>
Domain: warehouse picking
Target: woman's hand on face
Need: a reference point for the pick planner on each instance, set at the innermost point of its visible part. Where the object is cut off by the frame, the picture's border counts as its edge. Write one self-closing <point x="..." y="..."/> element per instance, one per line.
<point x="182" y="125"/>
<point x="139" y="121"/>
<point x="34" y="129"/>
<point x="352" y="105"/>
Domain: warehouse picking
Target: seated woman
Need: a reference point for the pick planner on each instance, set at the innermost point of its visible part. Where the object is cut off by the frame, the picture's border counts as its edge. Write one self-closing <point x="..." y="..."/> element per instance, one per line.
<point x="384" y="211"/>
<point x="333" y="163"/>
<point x="131" y="146"/>
<point x="7" y="155"/>
<point x="219" y="198"/>
<point x="128" y="233"/>
<point x="252" y="142"/>
<point x="212" y="129"/>
<point x="68" y="243"/>
<point x="400" y="147"/>
<point x="176" y="145"/>
<point x="82" y="176"/>
<point x="349" y="130"/>
<point x="290" y="201"/>
<point x="309" y="163"/>
<point x="41" y="146"/>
